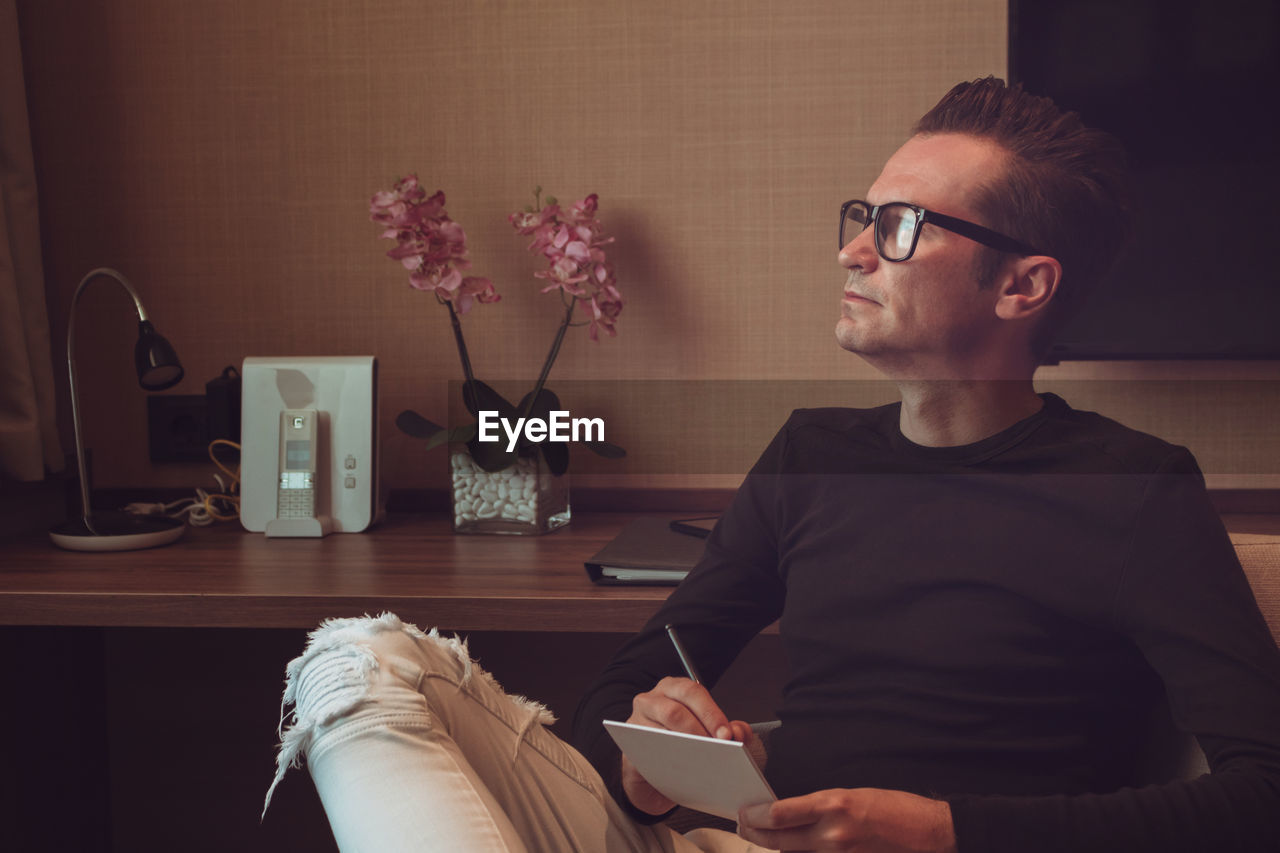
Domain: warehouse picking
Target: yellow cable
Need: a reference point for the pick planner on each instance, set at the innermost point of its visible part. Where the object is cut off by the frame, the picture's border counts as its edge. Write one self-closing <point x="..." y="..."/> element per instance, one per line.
<point x="219" y="516"/>
<point x="234" y="475"/>
<point x="232" y="497"/>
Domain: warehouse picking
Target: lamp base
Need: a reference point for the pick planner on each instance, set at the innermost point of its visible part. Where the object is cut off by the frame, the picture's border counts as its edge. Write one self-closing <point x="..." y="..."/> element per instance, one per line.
<point x="116" y="531"/>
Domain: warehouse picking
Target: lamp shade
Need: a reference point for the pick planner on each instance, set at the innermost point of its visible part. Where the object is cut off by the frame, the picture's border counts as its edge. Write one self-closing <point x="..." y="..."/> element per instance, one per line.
<point x="155" y="360"/>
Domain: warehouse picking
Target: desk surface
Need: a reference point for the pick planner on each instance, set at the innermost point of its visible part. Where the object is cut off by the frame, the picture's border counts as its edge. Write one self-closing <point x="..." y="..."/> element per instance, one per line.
<point x="413" y="565"/>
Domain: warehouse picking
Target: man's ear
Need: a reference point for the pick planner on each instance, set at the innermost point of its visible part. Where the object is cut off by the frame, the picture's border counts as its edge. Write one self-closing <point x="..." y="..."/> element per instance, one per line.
<point x="1027" y="286"/>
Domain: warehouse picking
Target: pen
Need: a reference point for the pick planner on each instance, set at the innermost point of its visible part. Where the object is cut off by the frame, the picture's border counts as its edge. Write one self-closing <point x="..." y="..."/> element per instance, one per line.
<point x="685" y="660"/>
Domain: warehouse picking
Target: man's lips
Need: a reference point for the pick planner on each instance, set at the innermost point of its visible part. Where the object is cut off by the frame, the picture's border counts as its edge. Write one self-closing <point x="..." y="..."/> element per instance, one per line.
<point x="852" y="294"/>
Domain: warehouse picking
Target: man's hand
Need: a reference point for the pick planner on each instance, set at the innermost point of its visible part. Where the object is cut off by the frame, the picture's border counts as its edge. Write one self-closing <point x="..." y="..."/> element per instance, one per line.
<point x="680" y="705"/>
<point x="863" y="819"/>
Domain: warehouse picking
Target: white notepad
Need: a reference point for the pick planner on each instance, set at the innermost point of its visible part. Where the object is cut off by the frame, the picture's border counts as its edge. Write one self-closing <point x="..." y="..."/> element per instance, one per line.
<point x="714" y="776"/>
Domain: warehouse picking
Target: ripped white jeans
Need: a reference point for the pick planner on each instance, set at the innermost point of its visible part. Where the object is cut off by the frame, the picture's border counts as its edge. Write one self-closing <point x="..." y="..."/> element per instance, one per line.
<point x="413" y="747"/>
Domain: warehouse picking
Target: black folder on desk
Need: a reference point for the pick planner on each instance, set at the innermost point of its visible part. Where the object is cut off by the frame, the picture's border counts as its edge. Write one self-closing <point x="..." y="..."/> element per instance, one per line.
<point x="647" y="551"/>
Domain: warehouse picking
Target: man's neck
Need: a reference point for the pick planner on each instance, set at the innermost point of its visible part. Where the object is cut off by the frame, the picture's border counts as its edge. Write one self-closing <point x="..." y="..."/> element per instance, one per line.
<point x="953" y="412"/>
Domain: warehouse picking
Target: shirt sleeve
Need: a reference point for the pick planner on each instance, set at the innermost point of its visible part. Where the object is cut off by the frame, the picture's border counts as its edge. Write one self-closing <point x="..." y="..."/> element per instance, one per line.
<point x="730" y="595"/>
<point x="1185" y="602"/>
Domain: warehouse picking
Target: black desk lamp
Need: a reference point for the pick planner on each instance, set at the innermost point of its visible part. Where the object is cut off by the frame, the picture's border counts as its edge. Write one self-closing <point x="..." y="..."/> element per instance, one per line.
<point x="158" y="368"/>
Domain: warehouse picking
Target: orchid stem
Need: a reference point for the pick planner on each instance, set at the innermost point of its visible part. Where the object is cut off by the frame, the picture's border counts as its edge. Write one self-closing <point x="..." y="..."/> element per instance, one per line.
<point x="551" y="357"/>
<point x="462" y="345"/>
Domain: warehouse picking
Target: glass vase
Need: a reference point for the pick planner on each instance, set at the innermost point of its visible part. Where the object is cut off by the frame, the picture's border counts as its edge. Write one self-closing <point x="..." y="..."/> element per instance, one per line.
<point x="524" y="499"/>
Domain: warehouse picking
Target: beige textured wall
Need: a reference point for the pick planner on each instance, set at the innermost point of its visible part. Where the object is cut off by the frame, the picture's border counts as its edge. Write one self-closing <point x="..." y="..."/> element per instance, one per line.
<point x="222" y="154"/>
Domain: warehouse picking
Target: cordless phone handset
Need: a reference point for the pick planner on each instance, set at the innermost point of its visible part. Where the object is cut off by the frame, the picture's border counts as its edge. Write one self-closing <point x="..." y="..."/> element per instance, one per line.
<point x="296" y="496"/>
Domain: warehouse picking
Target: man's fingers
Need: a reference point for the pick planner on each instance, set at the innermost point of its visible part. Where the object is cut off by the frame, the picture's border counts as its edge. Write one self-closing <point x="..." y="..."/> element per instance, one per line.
<point x="759" y="815"/>
<point x="664" y="713"/>
<point x="777" y="839"/>
<point x="783" y="825"/>
<point x="759" y="825"/>
<point x="783" y="814"/>
<point x="857" y="819"/>
<point x="684" y="706"/>
<point x="698" y="700"/>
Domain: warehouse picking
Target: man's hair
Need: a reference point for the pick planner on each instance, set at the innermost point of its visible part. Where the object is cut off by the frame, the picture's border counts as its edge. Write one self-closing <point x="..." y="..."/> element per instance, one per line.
<point x="1064" y="191"/>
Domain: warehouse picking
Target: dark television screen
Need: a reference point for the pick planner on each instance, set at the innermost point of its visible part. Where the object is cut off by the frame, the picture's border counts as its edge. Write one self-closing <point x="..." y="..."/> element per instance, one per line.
<point x="1192" y="88"/>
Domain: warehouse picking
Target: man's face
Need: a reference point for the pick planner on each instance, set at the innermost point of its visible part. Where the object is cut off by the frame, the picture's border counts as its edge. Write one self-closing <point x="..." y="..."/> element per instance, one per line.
<point x="926" y="315"/>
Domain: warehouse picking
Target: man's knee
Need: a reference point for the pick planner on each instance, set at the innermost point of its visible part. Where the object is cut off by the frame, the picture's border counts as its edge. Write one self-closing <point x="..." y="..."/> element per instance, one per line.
<point x="346" y="667"/>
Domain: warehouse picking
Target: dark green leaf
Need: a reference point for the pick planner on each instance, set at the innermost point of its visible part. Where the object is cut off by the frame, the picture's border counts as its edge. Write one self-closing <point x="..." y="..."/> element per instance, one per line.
<point x="479" y="397"/>
<point x="542" y="408"/>
<point x="413" y="424"/>
<point x="491" y="455"/>
<point x="457" y="435"/>
<point x="557" y="455"/>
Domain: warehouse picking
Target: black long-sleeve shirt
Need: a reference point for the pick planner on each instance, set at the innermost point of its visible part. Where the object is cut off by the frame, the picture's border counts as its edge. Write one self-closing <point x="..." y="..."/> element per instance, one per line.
<point x="990" y="624"/>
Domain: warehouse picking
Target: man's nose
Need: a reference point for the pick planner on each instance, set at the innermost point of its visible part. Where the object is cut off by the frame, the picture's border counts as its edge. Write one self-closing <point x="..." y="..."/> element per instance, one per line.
<point x="860" y="252"/>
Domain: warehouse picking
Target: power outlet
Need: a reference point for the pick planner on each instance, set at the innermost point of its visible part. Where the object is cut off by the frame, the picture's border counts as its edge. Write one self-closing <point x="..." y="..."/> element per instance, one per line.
<point x="178" y="427"/>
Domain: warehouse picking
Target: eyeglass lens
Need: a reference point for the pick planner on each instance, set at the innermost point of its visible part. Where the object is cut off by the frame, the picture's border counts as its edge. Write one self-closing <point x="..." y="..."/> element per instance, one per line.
<point x="895" y="228"/>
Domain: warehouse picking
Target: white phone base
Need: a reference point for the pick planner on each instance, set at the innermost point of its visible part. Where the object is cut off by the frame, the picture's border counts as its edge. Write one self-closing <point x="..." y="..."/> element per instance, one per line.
<point x="343" y="392"/>
<point x="299" y="528"/>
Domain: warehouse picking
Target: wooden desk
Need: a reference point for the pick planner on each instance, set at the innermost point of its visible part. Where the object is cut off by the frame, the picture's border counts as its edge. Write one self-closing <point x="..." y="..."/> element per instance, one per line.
<point x="413" y="565"/>
<point x="154" y="671"/>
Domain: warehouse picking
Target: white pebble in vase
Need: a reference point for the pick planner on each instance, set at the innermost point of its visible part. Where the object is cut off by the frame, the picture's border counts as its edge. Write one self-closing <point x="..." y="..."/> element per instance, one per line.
<point x="522" y="499"/>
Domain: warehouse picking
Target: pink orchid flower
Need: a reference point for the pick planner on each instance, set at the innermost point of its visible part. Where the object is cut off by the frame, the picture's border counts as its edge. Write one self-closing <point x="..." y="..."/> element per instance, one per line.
<point x="430" y="245"/>
<point x="526" y="222"/>
<point x="572" y="241"/>
<point x="577" y="251"/>
<point x="585" y="210"/>
<point x="475" y="290"/>
<point x="564" y="273"/>
<point x="606" y="305"/>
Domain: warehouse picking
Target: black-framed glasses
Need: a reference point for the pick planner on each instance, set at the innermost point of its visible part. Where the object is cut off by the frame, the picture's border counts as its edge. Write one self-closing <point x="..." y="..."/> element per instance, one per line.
<point x="898" y="228"/>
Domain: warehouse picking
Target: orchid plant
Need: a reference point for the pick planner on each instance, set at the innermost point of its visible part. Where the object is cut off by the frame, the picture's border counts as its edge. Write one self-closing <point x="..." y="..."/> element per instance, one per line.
<point x="433" y="248"/>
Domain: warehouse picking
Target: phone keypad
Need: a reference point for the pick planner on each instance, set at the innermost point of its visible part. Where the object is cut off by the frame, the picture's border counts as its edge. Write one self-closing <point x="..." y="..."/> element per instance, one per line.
<point x="297" y="497"/>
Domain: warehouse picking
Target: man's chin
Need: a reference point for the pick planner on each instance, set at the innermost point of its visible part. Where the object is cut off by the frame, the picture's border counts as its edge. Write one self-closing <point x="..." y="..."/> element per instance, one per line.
<point x="849" y="338"/>
<point x="856" y="341"/>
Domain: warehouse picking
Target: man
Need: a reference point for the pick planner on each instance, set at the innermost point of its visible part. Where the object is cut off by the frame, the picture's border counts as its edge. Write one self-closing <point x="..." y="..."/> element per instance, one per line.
<point x="982" y="592"/>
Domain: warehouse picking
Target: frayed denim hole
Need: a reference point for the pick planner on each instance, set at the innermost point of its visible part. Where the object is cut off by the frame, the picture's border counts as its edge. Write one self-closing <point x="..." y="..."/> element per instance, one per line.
<point x="323" y="686"/>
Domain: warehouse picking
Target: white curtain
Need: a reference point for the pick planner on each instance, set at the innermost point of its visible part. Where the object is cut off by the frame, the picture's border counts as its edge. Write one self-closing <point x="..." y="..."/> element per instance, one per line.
<point x="28" y="428"/>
